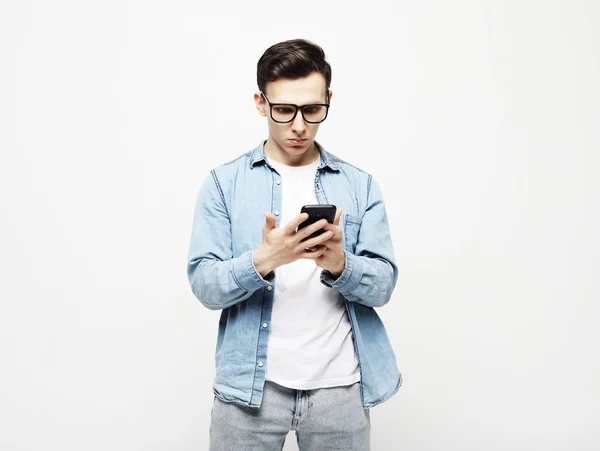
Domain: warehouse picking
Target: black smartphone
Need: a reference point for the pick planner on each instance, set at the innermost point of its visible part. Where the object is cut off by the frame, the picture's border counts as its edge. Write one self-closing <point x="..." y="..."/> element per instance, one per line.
<point x="316" y="213"/>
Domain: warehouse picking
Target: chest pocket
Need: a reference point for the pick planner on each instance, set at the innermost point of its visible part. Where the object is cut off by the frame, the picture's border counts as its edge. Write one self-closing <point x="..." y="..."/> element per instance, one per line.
<point x="351" y="229"/>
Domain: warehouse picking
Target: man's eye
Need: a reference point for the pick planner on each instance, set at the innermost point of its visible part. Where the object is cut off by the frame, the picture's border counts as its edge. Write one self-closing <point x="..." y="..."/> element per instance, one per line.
<point x="311" y="109"/>
<point x="285" y="110"/>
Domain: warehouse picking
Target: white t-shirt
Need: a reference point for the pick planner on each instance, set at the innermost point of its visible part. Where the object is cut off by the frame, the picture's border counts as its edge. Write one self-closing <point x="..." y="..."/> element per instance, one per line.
<point x="310" y="342"/>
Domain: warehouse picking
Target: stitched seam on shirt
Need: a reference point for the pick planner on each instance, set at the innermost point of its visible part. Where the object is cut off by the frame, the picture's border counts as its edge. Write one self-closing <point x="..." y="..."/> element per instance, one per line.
<point x="262" y="307"/>
<point x="358" y="278"/>
<point x="214" y="175"/>
<point x="254" y="276"/>
<point x="386" y="396"/>
<point x="235" y="277"/>
<point x="353" y="219"/>
<point x="355" y="345"/>
<point x="231" y="401"/>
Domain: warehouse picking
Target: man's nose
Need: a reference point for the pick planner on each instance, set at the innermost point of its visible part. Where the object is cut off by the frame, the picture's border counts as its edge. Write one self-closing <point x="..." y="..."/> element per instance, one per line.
<point x="298" y="124"/>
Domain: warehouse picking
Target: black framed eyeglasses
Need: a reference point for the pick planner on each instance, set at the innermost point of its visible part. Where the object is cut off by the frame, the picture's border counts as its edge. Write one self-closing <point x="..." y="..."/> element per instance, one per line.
<point x="283" y="113"/>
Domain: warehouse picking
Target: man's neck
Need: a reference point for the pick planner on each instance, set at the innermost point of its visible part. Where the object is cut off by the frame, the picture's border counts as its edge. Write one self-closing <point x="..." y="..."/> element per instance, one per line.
<point x="274" y="152"/>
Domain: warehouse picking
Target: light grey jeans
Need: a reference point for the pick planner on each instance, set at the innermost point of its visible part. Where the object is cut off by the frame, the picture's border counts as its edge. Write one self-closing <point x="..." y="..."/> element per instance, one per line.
<point x="326" y="419"/>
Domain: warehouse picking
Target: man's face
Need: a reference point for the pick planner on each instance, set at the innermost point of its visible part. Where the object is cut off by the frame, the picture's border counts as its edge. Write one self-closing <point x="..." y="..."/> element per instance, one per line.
<point x="293" y="139"/>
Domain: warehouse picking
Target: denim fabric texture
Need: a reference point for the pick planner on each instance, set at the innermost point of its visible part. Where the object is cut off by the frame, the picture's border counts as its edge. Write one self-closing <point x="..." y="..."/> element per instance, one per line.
<point x="227" y="228"/>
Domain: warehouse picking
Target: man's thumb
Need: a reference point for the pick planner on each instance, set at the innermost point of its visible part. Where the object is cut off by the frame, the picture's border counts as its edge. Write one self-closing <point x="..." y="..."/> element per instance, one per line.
<point x="271" y="222"/>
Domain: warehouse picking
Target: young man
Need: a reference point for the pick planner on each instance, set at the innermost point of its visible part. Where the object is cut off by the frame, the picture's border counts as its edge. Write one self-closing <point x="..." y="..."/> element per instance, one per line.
<point x="300" y="346"/>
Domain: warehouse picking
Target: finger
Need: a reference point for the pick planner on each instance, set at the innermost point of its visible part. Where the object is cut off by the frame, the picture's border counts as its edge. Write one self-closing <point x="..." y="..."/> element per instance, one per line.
<point x="271" y="220"/>
<point x="333" y="228"/>
<point x="291" y="226"/>
<point x="313" y="242"/>
<point x="309" y="229"/>
<point x="313" y="255"/>
<point x="338" y="215"/>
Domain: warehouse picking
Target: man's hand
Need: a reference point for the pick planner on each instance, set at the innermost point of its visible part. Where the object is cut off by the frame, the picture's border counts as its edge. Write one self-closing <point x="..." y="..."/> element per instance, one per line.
<point x="330" y="255"/>
<point x="283" y="245"/>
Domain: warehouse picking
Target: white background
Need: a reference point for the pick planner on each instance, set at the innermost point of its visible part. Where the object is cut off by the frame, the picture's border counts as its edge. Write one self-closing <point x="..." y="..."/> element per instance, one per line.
<point x="479" y="119"/>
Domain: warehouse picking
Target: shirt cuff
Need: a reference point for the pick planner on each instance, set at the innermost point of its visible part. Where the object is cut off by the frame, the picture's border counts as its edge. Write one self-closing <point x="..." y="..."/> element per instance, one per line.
<point x="349" y="278"/>
<point x="245" y="274"/>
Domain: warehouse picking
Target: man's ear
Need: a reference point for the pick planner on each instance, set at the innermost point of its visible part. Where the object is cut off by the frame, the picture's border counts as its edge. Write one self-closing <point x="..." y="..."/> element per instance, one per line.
<point x="260" y="103"/>
<point x="330" y="95"/>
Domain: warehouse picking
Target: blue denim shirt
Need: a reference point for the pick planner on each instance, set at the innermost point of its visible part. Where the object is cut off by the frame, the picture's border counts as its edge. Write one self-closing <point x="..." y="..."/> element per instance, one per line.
<point x="227" y="228"/>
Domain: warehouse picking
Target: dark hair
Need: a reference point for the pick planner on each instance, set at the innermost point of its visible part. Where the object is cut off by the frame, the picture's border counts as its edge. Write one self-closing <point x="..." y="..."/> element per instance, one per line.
<point x="292" y="59"/>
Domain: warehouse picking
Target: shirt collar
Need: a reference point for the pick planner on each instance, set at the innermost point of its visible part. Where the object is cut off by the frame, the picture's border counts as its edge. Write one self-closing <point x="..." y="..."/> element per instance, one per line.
<point x="327" y="159"/>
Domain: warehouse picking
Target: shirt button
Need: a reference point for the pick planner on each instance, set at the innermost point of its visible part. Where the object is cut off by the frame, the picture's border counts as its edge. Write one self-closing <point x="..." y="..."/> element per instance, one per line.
<point x="260" y="364"/>
<point x="269" y="288"/>
<point x="278" y="181"/>
<point x="276" y="212"/>
<point x="265" y="325"/>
